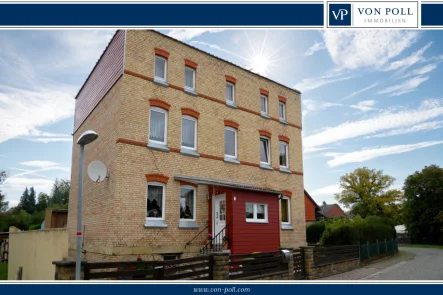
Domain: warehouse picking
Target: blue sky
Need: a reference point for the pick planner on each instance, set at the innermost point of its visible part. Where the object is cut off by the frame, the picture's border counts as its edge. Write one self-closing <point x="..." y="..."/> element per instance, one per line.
<point x="370" y="98"/>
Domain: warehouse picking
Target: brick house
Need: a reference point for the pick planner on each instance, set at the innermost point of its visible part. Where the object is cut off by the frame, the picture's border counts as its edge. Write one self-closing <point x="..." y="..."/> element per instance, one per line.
<point x="312" y="209"/>
<point x="194" y="146"/>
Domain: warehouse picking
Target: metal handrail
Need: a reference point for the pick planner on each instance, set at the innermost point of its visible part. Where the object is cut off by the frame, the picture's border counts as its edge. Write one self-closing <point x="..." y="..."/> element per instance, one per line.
<point x="220" y="240"/>
<point x="188" y="243"/>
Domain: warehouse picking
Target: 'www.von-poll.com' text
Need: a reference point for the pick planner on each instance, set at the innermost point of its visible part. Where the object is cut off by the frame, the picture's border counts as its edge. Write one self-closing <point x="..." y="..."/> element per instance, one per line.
<point x="223" y="290"/>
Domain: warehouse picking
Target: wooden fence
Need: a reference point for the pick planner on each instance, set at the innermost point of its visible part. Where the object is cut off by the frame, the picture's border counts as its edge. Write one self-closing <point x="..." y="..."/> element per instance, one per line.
<point x="249" y="266"/>
<point x="196" y="268"/>
<point x="335" y="254"/>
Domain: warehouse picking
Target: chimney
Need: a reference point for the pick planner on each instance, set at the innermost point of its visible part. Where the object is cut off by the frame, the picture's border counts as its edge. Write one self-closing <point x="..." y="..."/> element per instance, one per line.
<point x="324" y="203"/>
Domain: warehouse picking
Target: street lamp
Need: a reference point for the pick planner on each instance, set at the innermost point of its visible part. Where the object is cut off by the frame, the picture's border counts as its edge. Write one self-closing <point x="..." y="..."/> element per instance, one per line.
<point x="84" y="139"/>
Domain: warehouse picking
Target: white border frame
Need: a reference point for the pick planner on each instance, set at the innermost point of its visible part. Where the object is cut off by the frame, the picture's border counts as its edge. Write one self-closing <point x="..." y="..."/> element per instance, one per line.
<point x="284" y="110"/>
<point x="186" y="117"/>
<point x="154" y="183"/>
<point x="235" y="142"/>
<point x="233" y="93"/>
<point x="159" y="110"/>
<point x="166" y="68"/>
<point x="254" y="212"/>
<point x="269" y="150"/>
<point x="289" y="210"/>
<point x="194" y="215"/>
<point x="266" y="104"/>
<point x="193" y="79"/>
<point x="287" y="154"/>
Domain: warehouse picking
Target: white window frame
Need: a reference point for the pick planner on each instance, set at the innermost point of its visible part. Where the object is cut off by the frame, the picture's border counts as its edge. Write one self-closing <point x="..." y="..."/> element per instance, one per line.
<point x="235" y="142"/>
<point x="269" y="150"/>
<point x="280" y="103"/>
<point x="185" y="117"/>
<point x="193" y="79"/>
<point x="159" y="110"/>
<point x="233" y="93"/>
<point x="254" y="219"/>
<point x="266" y="104"/>
<point x="195" y="201"/>
<point x="166" y="68"/>
<point x="163" y="200"/>
<point x="287" y="154"/>
<point x="289" y="210"/>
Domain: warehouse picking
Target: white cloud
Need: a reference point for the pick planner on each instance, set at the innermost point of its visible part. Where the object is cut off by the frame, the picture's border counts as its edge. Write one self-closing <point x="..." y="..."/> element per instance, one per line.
<point x="49" y="139"/>
<point x="14" y="187"/>
<point x="405" y="63"/>
<point x="423" y="70"/>
<point x="365" y="105"/>
<point x="188" y="34"/>
<point x="307" y="150"/>
<point x="360" y="91"/>
<point x="383" y="121"/>
<point x="432" y="125"/>
<point x="372" y="153"/>
<point x="352" y="49"/>
<point x="41" y="164"/>
<point x="404" y="87"/>
<point x="216" y="47"/>
<point x="313" y="83"/>
<point x="326" y="191"/>
<point x="314" y="48"/>
<point x="30" y="95"/>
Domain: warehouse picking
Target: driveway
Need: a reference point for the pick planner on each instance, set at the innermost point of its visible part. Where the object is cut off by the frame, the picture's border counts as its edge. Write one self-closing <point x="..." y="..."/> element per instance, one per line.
<point x="408" y="264"/>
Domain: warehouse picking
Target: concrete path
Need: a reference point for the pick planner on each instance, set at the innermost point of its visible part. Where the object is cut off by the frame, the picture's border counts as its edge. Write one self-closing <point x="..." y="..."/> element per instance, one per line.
<point x="408" y="264"/>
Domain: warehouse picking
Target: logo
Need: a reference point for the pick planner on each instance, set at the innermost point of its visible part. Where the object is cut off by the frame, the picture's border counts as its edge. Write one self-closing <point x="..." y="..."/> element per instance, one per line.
<point x="340" y="14"/>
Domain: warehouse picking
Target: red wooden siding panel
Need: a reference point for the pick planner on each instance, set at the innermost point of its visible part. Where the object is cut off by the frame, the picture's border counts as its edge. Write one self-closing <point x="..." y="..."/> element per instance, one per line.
<point x="309" y="209"/>
<point x="107" y="71"/>
<point x="254" y="237"/>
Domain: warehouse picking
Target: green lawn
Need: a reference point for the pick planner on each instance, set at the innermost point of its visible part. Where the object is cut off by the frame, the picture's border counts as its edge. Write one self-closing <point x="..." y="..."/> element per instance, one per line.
<point x="3" y="271"/>
<point x="421" y="246"/>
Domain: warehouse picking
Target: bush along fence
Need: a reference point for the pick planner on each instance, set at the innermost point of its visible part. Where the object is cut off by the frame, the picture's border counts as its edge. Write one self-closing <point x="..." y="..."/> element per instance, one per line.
<point x="379" y="249"/>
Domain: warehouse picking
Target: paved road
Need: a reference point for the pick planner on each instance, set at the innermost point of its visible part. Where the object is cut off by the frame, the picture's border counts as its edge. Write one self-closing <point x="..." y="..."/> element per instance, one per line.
<point x="409" y="264"/>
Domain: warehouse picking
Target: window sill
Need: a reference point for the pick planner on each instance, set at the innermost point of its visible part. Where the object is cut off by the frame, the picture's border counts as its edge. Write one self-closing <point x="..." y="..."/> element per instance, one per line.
<point x="286" y="226"/>
<point x="158" y="147"/>
<point x="155" y="223"/>
<point x="191" y="92"/>
<point x="232" y="160"/>
<point x="256" y="221"/>
<point x="161" y="82"/>
<point x="266" y="166"/>
<point x="285" y="170"/>
<point x="265" y="115"/>
<point x="231" y="104"/>
<point x="283" y="121"/>
<point x="188" y="224"/>
<point x="190" y="153"/>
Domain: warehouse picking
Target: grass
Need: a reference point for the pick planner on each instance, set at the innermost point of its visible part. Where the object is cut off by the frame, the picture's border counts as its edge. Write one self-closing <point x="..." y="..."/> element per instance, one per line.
<point x="3" y="271"/>
<point x="421" y="246"/>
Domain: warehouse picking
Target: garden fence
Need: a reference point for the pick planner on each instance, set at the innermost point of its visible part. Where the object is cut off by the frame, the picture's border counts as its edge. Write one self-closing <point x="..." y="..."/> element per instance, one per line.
<point x="369" y="251"/>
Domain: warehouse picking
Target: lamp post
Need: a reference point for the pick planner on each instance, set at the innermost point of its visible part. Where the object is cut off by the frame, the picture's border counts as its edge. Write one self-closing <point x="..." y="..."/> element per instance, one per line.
<point x="84" y="139"/>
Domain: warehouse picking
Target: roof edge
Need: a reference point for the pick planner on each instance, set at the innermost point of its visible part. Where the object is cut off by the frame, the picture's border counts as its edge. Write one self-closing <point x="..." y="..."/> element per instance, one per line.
<point x="310" y="198"/>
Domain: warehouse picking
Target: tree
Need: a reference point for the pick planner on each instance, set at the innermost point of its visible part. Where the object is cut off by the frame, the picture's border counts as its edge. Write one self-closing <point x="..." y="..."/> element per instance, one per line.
<point x="27" y="201"/>
<point x="423" y="208"/>
<point x="43" y="202"/>
<point x="3" y="204"/>
<point x="366" y="192"/>
<point x="60" y="193"/>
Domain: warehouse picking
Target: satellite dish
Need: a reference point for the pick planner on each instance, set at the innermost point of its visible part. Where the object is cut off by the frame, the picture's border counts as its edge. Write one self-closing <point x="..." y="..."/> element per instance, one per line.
<point x="97" y="171"/>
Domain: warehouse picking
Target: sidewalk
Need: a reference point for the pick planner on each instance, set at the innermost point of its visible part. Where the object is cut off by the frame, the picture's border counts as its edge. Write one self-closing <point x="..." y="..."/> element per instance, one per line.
<point x="369" y="270"/>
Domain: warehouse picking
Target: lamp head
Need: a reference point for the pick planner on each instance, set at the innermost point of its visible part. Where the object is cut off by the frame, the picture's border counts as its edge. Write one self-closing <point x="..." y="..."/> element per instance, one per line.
<point x="87" y="137"/>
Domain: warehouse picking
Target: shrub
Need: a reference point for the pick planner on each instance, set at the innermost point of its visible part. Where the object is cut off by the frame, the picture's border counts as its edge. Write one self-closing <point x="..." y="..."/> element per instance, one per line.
<point x="314" y="232"/>
<point x="357" y="230"/>
<point x="35" y="226"/>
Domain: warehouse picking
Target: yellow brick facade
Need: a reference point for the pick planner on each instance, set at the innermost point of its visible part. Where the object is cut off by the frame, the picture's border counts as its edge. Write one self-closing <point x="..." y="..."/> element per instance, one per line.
<point x="115" y="210"/>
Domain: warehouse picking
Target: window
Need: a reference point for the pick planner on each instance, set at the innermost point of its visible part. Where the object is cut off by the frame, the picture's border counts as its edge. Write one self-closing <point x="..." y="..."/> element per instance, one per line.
<point x="158" y="122"/>
<point x="256" y="212"/>
<point x="283" y="154"/>
<point x="282" y="110"/>
<point x="189" y="78"/>
<point x="187" y="203"/>
<point x="230" y="142"/>
<point x="264" y="104"/>
<point x="189" y="133"/>
<point x="264" y="150"/>
<point x="156" y="201"/>
<point x="169" y="257"/>
<point x="230" y="93"/>
<point x="285" y="210"/>
<point x="161" y="66"/>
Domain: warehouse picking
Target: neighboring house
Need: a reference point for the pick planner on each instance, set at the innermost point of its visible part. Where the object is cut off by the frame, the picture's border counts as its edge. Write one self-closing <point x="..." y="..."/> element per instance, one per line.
<point x="55" y="218"/>
<point x="312" y="210"/>
<point x="332" y="210"/>
<point x="194" y="145"/>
